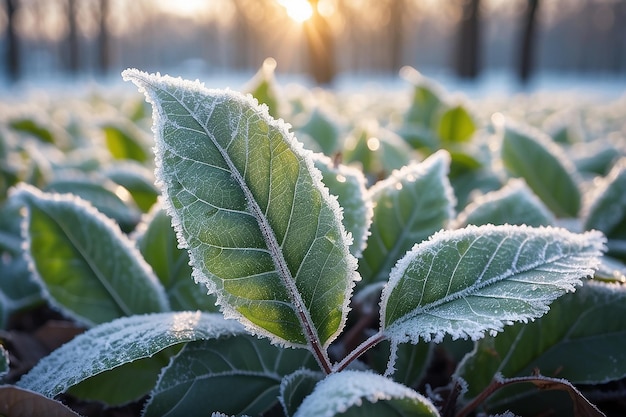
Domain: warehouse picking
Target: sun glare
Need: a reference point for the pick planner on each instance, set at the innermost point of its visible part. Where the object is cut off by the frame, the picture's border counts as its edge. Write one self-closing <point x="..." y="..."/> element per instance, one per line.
<point x="298" y="10"/>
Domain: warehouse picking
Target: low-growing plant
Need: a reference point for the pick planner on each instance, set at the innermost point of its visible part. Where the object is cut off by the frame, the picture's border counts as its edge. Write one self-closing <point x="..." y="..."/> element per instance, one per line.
<point x="338" y="288"/>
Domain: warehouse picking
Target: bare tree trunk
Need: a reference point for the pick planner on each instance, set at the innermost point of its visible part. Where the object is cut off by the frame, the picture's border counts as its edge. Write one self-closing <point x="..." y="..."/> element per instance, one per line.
<point x="618" y="35"/>
<point x="242" y="36"/>
<point x="319" y="38"/>
<point x="72" y="38"/>
<point x="104" y="46"/>
<point x="396" y="27"/>
<point x="13" y="66"/>
<point x="468" y="52"/>
<point x="526" y="62"/>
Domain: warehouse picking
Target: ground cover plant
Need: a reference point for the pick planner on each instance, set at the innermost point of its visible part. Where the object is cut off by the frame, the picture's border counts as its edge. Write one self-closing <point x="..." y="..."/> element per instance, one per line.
<point x="383" y="256"/>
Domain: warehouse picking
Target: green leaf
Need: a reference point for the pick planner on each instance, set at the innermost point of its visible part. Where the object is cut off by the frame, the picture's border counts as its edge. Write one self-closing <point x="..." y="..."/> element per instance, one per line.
<point x="102" y="195"/>
<point x="120" y="342"/>
<point x="462" y="162"/>
<point x="87" y="267"/>
<point x="252" y="365"/>
<point x="470" y="281"/>
<point x="126" y="383"/>
<point x="455" y="125"/>
<point x="595" y="157"/>
<point x="419" y="137"/>
<point x="262" y="231"/>
<point x="323" y="129"/>
<point x="589" y="324"/>
<point x="138" y="180"/>
<point x="532" y="155"/>
<point x="409" y="206"/>
<point x="348" y="184"/>
<point x="378" y="151"/>
<point x="427" y="100"/>
<point x="34" y="128"/>
<point x="15" y="402"/>
<point x="514" y="204"/>
<point x="355" y="393"/>
<point x="606" y="210"/>
<point x="263" y="87"/>
<point x="470" y="183"/>
<point x="125" y="142"/>
<point x="295" y="387"/>
<point x="159" y="247"/>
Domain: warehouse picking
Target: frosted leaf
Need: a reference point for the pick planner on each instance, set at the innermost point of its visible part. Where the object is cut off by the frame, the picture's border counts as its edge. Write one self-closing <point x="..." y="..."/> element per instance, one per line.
<point x="473" y="281"/>
<point x="205" y="372"/>
<point x="410" y="205"/>
<point x="605" y="209"/>
<point x="121" y="341"/>
<point x="514" y="203"/>
<point x="262" y="231"/>
<point x="87" y="267"/>
<point x="593" y="316"/>
<point x="532" y="155"/>
<point x="339" y="392"/>
<point x="295" y="387"/>
<point x="348" y="184"/>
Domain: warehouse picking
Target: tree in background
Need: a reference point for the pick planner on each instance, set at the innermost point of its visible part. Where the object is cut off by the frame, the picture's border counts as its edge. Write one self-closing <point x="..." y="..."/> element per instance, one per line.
<point x="73" y="46"/>
<point x="526" y="61"/>
<point x="319" y="39"/>
<point x="468" y="44"/>
<point x="13" y="48"/>
<point x="104" y="46"/>
<point x="397" y="10"/>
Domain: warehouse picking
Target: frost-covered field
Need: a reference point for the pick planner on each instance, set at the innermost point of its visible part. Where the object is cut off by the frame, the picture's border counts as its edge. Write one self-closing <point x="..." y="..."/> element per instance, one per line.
<point x="87" y="246"/>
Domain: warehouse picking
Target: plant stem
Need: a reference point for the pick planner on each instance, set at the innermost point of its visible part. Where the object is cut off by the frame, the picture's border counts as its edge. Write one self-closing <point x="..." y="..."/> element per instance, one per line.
<point x="585" y="408"/>
<point x="359" y="350"/>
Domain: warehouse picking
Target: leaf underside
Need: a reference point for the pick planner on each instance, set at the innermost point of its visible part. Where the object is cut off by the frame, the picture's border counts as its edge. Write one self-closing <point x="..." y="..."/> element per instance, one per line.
<point x="475" y="280"/>
<point x="261" y="229"/>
